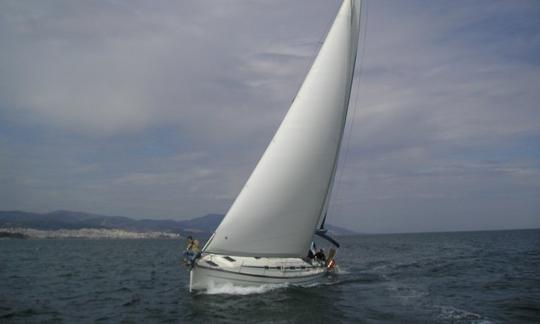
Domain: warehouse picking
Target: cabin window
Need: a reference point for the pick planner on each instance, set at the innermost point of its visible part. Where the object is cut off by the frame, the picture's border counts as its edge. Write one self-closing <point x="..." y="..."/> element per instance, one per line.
<point x="228" y="258"/>
<point x="212" y="263"/>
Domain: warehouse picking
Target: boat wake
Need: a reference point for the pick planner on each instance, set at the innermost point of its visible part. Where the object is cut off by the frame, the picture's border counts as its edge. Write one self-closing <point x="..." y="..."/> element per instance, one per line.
<point x="340" y="271"/>
<point x="230" y="289"/>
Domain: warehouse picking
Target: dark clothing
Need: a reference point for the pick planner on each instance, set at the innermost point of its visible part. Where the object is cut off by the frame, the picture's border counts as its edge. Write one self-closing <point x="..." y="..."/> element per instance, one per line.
<point x="320" y="256"/>
<point x="189" y="257"/>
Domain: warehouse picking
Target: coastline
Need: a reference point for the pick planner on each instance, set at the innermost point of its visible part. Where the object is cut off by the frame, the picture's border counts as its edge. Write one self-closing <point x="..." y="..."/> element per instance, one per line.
<point x="86" y="233"/>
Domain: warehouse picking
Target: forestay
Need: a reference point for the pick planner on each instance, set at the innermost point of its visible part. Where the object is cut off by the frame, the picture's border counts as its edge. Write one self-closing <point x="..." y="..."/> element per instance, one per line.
<point x="286" y="196"/>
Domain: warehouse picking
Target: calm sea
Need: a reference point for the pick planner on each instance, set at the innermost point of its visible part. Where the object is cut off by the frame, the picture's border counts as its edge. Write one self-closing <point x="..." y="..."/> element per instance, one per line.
<point x="472" y="277"/>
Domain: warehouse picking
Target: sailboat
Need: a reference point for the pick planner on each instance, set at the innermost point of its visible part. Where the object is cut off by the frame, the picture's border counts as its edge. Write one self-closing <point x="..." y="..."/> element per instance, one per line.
<point x="266" y="234"/>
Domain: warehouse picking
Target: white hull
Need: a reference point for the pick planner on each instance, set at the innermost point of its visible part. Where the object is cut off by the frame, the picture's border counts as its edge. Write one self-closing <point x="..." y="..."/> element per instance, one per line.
<point x="213" y="270"/>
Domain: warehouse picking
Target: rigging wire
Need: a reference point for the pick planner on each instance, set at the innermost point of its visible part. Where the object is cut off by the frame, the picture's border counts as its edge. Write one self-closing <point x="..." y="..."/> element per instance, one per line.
<point x="339" y="185"/>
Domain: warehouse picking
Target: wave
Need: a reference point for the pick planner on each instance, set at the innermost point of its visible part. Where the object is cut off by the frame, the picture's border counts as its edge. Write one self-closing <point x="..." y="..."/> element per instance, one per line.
<point x="341" y="271"/>
<point x="456" y="314"/>
<point x="230" y="289"/>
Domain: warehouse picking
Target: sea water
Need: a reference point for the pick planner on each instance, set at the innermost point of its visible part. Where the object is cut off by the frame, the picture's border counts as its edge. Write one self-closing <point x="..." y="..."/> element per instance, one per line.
<point x="467" y="277"/>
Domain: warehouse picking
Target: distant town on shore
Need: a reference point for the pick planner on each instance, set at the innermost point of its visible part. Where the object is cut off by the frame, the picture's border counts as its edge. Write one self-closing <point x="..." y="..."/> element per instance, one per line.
<point x="69" y="224"/>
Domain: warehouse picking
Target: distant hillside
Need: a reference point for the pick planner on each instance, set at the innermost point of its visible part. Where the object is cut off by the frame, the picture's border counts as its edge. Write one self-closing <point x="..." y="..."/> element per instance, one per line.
<point x="63" y="219"/>
<point x="77" y="220"/>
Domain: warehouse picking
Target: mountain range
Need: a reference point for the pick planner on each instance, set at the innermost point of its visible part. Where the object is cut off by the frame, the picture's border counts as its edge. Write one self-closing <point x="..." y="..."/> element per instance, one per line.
<point x="62" y="219"/>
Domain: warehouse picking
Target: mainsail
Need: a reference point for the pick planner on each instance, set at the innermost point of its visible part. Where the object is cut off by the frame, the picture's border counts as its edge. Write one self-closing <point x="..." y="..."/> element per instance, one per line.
<point x="286" y="197"/>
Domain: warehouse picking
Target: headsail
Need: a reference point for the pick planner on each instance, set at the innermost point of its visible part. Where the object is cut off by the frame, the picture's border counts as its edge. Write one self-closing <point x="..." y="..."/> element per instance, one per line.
<point x="286" y="196"/>
<point x="355" y="22"/>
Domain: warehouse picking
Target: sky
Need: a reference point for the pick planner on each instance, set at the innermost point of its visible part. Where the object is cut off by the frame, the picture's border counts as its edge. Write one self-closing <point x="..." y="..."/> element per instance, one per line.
<point x="161" y="109"/>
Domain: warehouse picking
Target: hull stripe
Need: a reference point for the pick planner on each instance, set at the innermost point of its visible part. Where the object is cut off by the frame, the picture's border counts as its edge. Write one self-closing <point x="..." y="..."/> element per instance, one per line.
<point x="261" y="276"/>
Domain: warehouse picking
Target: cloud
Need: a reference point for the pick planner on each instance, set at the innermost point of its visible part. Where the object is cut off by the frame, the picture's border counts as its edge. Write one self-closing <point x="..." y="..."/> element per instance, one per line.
<point x="163" y="109"/>
<point x="112" y="68"/>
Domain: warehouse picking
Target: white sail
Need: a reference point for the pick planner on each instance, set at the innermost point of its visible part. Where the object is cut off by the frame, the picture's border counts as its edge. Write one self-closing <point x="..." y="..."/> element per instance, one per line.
<point x="286" y="196"/>
<point x="356" y="27"/>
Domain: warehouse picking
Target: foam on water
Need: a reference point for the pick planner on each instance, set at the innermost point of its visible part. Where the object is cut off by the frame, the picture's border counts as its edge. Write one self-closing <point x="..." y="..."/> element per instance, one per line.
<point x="230" y="289"/>
<point x="453" y="313"/>
<point x="339" y="270"/>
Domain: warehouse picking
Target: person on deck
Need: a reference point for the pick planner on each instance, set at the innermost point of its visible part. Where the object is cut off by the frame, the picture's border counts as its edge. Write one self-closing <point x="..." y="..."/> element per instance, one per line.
<point x="320" y="255"/>
<point x="192" y="250"/>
